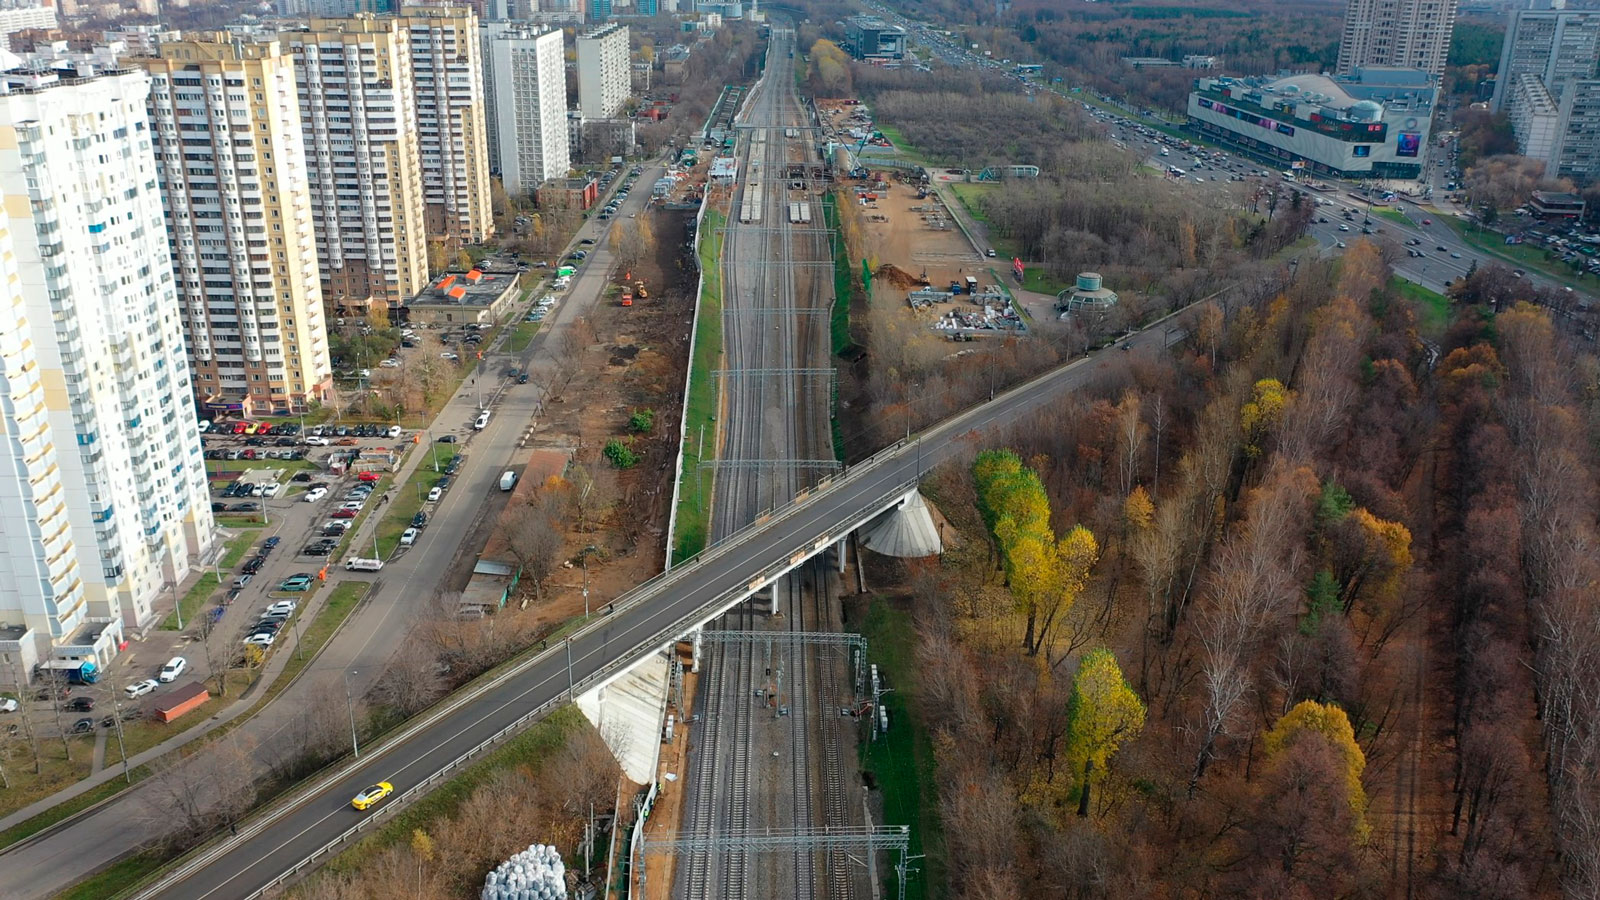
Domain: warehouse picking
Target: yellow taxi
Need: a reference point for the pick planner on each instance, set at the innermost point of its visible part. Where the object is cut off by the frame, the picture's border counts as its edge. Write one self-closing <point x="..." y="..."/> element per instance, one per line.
<point x="372" y="795"/>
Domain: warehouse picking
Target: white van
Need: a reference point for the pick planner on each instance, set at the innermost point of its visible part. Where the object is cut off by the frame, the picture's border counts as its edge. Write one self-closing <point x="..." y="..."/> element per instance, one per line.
<point x="482" y="422"/>
<point x="357" y="564"/>
<point x="508" y="480"/>
<point x="174" y="667"/>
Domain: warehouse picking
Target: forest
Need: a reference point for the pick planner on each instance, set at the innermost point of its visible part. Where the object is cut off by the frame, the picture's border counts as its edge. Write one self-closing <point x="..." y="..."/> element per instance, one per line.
<point x="1302" y="607"/>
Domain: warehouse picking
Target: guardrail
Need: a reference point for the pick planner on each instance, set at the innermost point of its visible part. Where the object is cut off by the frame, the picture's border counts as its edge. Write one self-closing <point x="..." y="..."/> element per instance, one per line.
<point x="659" y="638"/>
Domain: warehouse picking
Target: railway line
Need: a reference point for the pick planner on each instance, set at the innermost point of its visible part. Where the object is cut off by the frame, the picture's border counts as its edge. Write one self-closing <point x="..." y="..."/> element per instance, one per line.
<point x="769" y="752"/>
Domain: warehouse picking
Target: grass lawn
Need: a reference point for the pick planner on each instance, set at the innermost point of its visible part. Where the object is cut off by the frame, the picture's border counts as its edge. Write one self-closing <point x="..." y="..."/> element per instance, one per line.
<point x="899" y="141"/>
<point x="61" y="810"/>
<point x="971" y="197"/>
<point x="521" y="334"/>
<point x="901" y="762"/>
<point x="1392" y="214"/>
<point x="1036" y="279"/>
<point x="56" y="771"/>
<point x="195" y="599"/>
<point x="526" y="749"/>
<point x="700" y="415"/>
<point x="410" y="497"/>
<point x="1433" y="308"/>
<point x="114" y="879"/>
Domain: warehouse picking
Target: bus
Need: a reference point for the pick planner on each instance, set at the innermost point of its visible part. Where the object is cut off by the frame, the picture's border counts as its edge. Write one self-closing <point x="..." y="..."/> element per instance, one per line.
<point x="1288" y="175"/>
<point x="1176" y="172"/>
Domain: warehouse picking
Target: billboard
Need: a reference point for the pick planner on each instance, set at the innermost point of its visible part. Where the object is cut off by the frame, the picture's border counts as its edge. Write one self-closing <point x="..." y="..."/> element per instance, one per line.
<point x="1409" y="144"/>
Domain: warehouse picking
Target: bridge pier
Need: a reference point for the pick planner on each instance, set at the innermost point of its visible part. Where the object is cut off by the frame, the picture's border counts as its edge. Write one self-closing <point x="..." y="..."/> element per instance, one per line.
<point x="841" y="549"/>
<point x="776" y="587"/>
<point x="694" y="666"/>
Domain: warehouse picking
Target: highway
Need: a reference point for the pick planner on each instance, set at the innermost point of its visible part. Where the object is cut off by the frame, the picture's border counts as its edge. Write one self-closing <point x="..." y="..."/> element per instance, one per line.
<point x="401" y="595"/>
<point x="273" y="844"/>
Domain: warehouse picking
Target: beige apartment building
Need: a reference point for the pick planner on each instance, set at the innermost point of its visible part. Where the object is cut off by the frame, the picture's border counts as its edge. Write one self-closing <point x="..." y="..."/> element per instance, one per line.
<point x="233" y="176"/>
<point x="452" y="131"/>
<point x="358" y="114"/>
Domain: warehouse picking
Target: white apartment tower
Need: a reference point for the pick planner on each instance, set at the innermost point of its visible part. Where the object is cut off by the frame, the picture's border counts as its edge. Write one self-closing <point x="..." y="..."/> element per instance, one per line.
<point x="1556" y="46"/>
<point x="358" y="114"/>
<point x="233" y="172"/>
<point x="525" y="71"/>
<point x="604" y="81"/>
<point x="451" y="128"/>
<point x="1409" y="34"/>
<point x="100" y="328"/>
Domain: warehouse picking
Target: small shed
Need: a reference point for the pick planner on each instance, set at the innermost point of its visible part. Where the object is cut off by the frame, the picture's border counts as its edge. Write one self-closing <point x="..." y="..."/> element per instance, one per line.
<point x="185" y="699"/>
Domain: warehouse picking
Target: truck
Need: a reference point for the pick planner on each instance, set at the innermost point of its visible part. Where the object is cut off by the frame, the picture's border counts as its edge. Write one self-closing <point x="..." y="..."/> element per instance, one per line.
<point x="75" y="671"/>
<point x="358" y="564"/>
<point x="508" y="480"/>
<point x="972" y="285"/>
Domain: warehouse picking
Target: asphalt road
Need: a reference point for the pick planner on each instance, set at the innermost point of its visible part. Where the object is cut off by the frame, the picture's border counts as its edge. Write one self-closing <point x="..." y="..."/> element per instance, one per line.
<point x="667" y="605"/>
<point x="403" y="589"/>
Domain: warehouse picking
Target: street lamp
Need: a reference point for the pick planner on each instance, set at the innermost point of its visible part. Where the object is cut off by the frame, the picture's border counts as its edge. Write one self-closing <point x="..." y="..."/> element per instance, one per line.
<point x="349" y="705"/>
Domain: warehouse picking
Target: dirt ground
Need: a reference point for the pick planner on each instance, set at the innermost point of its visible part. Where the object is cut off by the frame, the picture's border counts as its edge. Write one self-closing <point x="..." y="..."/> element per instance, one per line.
<point x="633" y="358"/>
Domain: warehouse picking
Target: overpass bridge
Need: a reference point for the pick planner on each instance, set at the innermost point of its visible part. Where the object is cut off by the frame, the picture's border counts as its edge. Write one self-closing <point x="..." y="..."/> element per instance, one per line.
<point x="303" y="827"/>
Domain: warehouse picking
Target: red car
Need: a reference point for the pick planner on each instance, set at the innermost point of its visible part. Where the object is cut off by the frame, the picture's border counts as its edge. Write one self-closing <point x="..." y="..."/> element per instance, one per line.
<point x="368" y="476"/>
<point x="239" y="427"/>
<point x="1427" y="221"/>
<point x="344" y="514"/>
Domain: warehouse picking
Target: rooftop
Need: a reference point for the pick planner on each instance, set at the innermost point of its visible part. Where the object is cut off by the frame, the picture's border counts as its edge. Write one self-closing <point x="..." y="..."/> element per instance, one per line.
<point x="1364" y="96"/>
<point x="474" y="288"/>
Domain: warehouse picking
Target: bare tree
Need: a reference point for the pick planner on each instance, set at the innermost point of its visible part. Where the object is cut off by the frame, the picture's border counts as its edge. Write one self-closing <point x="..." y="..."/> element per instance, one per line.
<point x="534" y="539"/>
<point x="195" y="796"/>
<point x="410" y="682"/>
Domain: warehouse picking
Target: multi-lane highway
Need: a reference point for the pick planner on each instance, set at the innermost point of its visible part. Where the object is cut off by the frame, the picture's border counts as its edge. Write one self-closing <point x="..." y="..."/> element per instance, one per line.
<point x="656" y="612"/>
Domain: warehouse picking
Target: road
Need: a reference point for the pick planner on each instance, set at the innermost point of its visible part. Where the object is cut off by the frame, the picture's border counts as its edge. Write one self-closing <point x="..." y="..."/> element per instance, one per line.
<point x="401" y="595"/>
<point x="663" y="608"/>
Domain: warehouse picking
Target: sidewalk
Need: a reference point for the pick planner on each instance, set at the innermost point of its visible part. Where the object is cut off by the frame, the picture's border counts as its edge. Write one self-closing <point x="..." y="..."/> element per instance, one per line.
<point x="238" y="707"/>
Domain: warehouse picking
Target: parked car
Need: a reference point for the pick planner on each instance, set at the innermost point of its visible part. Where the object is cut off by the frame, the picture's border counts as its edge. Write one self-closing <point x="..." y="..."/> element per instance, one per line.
<point x="8" y="704"/>
<point x="140" y="688"/>
<point x="243" y="580"/>
<point x="408" y="537"/>
<point x="419" y="520"/>
<point x="368" y="476"/>
<point x="345" y="513"/>
<point x="315" y="494"/>
<point x="174" y="668"/>
<point x="81" y="704"/>
<point x="435" y="493"/>
<point x="83" y="725"/>
<point x="447" y="439"/>
<point x="295" y="583"/>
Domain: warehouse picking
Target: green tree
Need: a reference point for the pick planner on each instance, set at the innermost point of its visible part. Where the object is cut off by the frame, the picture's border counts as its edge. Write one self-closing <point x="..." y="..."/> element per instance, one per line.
<point x="642" y="421"/>
<point x="619" y="454"/>
<point x="1103" y="713"/>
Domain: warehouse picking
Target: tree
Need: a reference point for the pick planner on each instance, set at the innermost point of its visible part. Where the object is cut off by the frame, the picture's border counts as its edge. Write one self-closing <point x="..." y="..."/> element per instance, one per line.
<point x="642" y="421"/>
<point x="409" y="683"/>
<point x="1301" y="832"/>
<point x="1328" y="724"/>
<point x="619" y="454"/>
<point x="1103" y="714"/>
<point x="193" y="797"/>
<point x="1137" y="510"/>
<point x="1262" y="413"/>
<point x="534" y="537"/>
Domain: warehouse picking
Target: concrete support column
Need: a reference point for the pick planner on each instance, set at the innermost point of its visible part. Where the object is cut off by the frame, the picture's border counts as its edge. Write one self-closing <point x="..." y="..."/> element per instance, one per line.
<point x="696" y="642"/>
<point x="777" y="587"/>
<point x="841" y="547"/>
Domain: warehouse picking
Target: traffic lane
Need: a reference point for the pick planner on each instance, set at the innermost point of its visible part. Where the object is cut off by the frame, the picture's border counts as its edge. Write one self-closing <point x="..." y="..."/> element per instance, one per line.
<point x="262" y="857"/>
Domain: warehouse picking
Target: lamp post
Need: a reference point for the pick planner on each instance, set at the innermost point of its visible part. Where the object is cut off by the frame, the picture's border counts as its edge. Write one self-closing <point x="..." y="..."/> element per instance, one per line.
<point x="349" y="705"/>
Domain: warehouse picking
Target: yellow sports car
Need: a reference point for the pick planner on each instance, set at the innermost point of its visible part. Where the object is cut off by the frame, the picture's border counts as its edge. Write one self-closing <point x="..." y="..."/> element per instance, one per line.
<point x="370" y="797"/>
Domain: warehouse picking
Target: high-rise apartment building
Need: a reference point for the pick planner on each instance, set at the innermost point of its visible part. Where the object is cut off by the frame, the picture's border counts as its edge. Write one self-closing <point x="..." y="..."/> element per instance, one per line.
<point x="358" y="115"/>
<point x="525" y="71"/>
<point x="98" y="339"/>
<point x="233" y="172"/>
<point x="1410" y="34"/>
<point x="21" y="15"/>
<point x="451" y="128"/>
<point x="604" y="80"/>
<point x="1556" y="46"/>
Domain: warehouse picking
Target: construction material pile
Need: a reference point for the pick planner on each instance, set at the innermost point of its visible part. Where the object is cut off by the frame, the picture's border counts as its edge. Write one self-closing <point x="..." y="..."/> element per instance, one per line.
<point x="536" y="873"/>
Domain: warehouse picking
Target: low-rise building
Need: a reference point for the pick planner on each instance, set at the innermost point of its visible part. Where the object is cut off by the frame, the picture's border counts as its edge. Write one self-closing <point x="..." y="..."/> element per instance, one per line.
<point x="869" y="37"/>
<point x="1372" y="124"/>
<point x="476" y="296"/>
<point x="1556" y="205"/>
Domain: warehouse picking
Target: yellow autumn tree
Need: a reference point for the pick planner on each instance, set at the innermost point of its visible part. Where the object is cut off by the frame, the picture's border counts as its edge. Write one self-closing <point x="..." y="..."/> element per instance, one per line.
<point x="1103" y="713"/>
<point x="1262" y="413"/>
<point x="1137" y="510"/>
<point x="1386" y="560"/>
<point x="1310" y="720"/>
